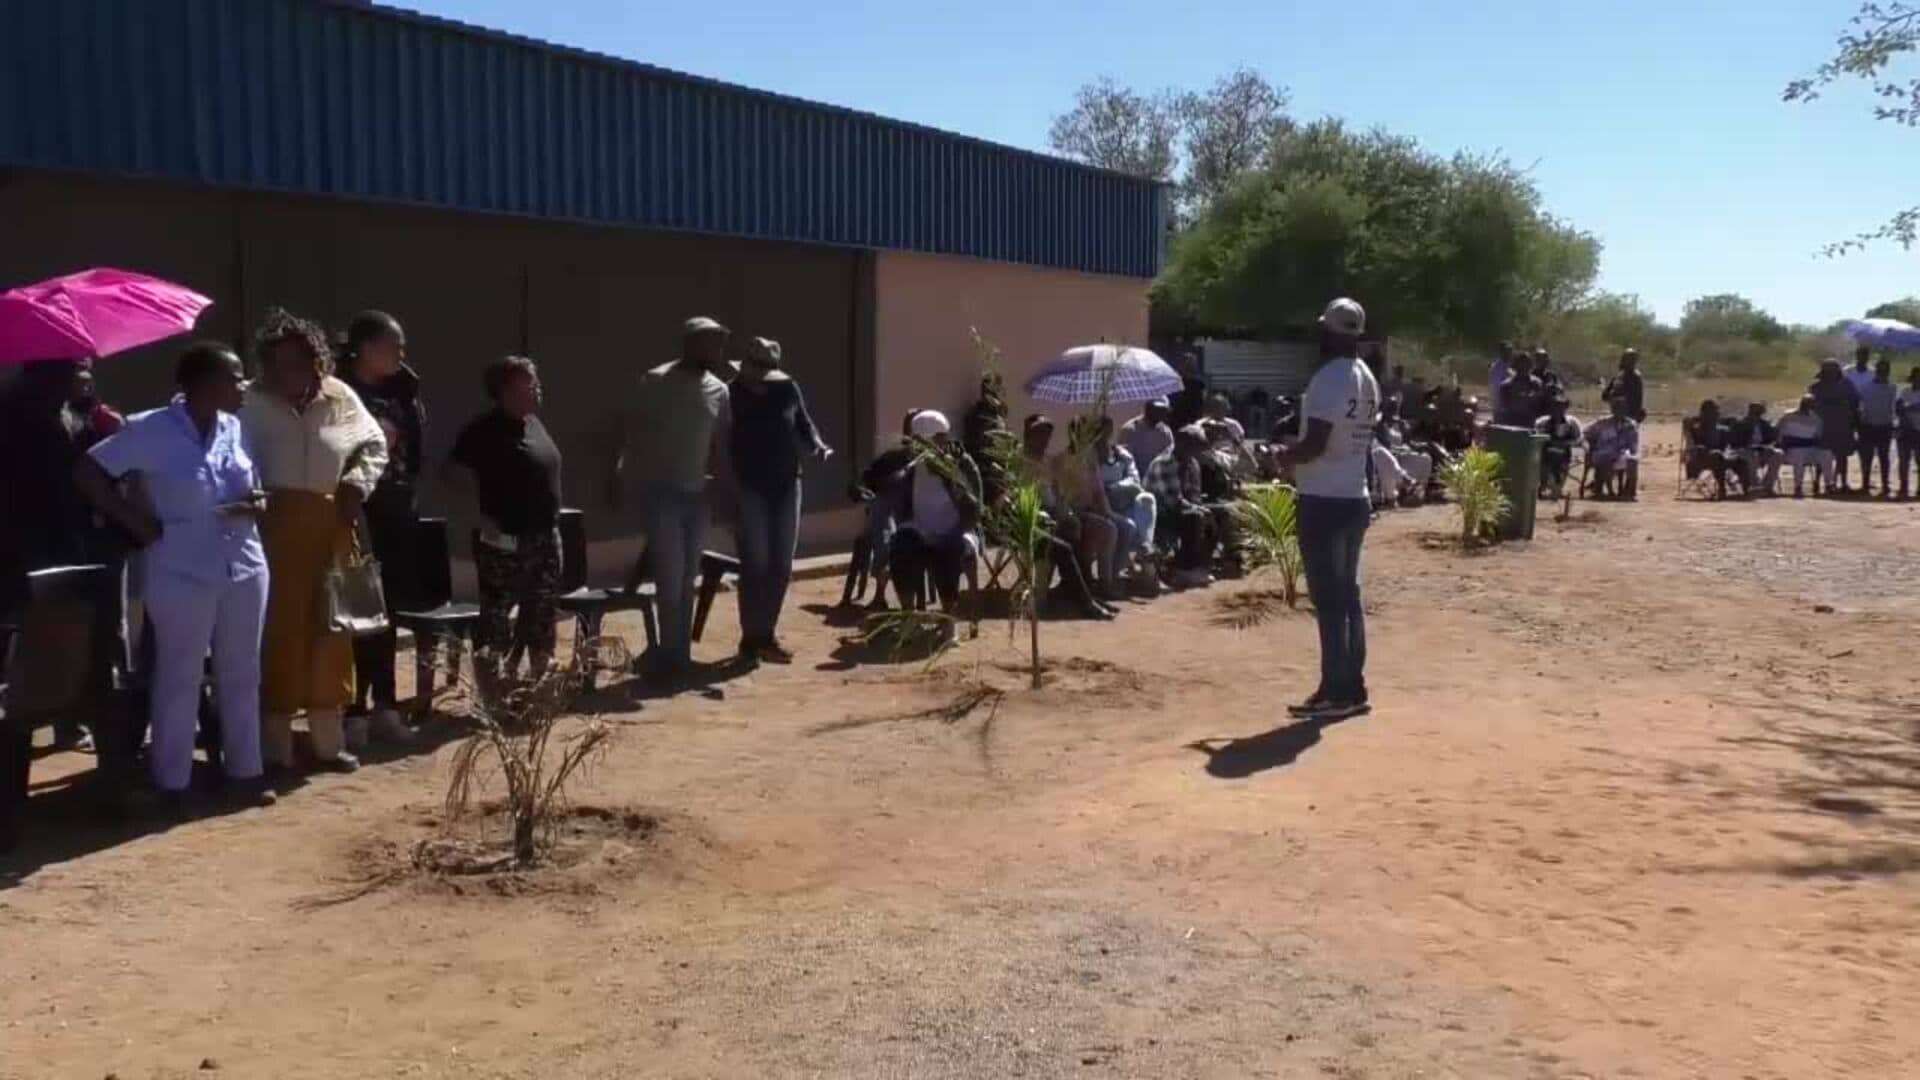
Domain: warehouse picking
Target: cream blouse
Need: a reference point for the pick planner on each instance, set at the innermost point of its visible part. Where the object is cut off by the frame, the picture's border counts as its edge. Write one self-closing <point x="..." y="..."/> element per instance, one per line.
<point x="309" y="450"/>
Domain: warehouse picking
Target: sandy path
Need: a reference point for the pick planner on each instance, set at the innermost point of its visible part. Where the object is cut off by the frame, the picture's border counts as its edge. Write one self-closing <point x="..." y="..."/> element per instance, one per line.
<point x="1630" y="806"/>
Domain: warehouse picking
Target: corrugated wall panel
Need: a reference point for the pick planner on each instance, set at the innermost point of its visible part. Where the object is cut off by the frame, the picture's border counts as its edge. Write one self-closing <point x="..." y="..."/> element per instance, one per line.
<point x="327" y="98"/>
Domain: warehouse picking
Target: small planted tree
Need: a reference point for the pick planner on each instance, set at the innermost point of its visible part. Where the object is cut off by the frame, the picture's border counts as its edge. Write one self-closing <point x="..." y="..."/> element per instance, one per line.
<point x="536" y="742"/>
<point x="1270" y="517"/>
<point x="1473" y="484"/>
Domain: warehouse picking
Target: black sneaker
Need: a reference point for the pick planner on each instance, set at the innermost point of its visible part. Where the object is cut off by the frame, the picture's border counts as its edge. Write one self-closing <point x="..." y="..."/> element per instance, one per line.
<point x="1342" y="710"/>
<point x="772" y="652"/>
<point x="344" y="762"/>
<point x="1314" y="703"/>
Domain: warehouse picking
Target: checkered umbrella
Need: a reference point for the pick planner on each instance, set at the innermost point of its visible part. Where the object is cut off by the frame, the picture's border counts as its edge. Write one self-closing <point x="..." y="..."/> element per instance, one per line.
<point x="1884" y="333"/>
<point x="1128" y="374"/>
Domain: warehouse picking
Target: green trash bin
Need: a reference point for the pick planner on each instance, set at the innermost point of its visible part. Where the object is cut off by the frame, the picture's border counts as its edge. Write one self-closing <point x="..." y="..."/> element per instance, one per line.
<point x="1519" y="451"/>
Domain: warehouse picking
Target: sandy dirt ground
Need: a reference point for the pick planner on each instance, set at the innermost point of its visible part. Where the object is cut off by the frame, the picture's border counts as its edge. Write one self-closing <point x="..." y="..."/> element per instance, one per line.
<point x="1640" y="798"/>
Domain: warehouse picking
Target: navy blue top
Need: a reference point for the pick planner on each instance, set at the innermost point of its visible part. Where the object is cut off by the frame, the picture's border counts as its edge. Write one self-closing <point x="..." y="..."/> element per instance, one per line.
<point x="771" y="431"/>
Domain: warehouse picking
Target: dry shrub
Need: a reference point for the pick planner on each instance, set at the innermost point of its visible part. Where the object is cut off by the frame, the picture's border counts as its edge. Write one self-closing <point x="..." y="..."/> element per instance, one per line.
<point x="530" y="737"/>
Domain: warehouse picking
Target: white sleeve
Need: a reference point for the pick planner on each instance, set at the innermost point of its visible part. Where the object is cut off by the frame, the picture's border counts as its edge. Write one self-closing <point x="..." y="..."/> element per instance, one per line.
<point x="1326" y="398"/>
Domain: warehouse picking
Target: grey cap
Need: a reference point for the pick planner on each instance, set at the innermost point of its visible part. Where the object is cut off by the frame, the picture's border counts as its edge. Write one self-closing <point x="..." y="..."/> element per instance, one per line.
<point x="701" y="324"/>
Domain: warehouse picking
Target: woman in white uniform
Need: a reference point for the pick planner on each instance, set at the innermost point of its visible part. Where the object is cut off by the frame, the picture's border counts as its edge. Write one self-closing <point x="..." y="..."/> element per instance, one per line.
<point x="206" y="573"/>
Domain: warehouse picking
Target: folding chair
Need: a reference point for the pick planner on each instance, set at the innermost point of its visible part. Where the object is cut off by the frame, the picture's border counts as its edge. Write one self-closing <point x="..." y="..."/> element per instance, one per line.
<point x="1702" y="482"/>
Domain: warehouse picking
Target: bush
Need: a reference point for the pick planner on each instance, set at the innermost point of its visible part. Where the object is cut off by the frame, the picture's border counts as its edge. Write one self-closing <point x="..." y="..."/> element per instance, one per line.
<point x="1473" y="483"/>
<point x="1270" y="515"/>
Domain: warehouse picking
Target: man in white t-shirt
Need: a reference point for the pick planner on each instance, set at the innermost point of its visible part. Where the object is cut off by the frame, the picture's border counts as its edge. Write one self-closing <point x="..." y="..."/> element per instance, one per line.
<point x="1329" y="462"/>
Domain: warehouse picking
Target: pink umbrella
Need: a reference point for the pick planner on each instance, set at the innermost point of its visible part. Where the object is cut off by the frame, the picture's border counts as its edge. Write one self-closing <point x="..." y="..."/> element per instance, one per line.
<point x="93" y="313"/>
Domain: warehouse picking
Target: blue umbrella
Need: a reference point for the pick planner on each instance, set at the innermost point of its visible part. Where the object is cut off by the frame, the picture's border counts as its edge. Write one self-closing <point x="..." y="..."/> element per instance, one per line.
<point x="1127" y="374"/>
<point x="1884" y="333"/>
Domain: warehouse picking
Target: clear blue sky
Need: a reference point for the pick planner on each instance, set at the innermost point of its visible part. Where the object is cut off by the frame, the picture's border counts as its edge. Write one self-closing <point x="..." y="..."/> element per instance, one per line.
<point x="1655" y="124"/>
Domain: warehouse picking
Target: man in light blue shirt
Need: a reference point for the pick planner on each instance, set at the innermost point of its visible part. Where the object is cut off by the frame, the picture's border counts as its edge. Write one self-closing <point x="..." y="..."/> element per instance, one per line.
<point x="205" y="570"/>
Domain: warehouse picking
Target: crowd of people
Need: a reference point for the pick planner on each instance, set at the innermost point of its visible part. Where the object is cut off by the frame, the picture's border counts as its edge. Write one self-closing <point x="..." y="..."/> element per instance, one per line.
<point x="226" y="511"/>
<point x="1156" y="503"/>
<point x="1857" y="412"/>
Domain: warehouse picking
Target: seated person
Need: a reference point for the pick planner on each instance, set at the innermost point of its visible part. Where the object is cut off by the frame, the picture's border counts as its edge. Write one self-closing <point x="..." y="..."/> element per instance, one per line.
<point x="1081" y="536"/>
<point x="1754" y="439"/>
<point x="1556" y="457"/>
<point x="1186" y="526"/>
<point x="875" y="491"/>
<point x="1419" y="462"/>
<point x="936" y="509"/>
<point x="1455" y="422"/>
<point x="1148" y="435"/>
<point x="1228" y="441"/>
<point x="1126" y="493"/>
<point x="1710" y="450"/>
<point x="1391" y="484"/>
<point x="1802" y="438"/>
<point x="1220" y="473"/>
<point x="1613" y="450"/>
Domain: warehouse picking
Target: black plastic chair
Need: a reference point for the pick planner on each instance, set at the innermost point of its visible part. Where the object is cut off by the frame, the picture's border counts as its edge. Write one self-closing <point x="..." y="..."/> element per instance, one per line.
<point x="590" y="606"/>
<point x="431" y="615"/>
<point x="714" y="568"/>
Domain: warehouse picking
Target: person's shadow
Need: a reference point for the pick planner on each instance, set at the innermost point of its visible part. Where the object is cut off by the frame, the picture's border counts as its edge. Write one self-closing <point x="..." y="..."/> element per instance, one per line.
<point x="1237" y="759"/>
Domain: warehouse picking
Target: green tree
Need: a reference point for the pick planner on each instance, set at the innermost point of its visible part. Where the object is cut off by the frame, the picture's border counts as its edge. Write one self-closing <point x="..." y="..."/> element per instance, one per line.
<point x="1447" y="249"/>
<point x="1725" y="316"/>
<point x="1907" y="310"/>
<point x="1880" y="36"/>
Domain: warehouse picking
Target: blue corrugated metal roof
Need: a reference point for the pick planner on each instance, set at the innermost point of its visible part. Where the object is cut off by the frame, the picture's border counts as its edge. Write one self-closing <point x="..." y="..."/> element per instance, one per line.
<point x="346" y="99"/>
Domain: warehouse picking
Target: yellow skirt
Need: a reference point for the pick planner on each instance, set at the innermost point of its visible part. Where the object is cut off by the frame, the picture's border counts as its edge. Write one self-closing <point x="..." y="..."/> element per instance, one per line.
<point x="302" y="666"/>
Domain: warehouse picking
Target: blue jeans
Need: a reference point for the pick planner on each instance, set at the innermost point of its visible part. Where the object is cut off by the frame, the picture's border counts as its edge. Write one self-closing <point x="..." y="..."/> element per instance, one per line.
<point x="769" y="528"/>
<point x="1331" y="532"/>
<point x="676" y="523"/>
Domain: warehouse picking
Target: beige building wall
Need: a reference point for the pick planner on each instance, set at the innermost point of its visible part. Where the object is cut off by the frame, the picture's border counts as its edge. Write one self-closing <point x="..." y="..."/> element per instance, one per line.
<point x="924" y="305"/>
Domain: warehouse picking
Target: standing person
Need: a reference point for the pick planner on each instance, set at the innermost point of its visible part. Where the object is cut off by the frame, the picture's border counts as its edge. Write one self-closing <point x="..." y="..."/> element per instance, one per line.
<point x="1500" y="370"/>
<point x="373" y="362"/>
<point x="1329" y="464"/>
<point x="1520" y="401"/>
<point x="98" y="420"/>
<point x="1543" y="370"/>
<point x="1837" y="403"/>
<point x="984" y="425"/>
<point x="515" y="469"/>
<point x="44" y="519"/>
<point x="1908" y="407"/>
<point x="771" y="434"/>
<point x="677" y="430"/>
<point x="1629" y="387"/>
<point x="1148" y="435"/>
<point x="319" y="454"/>
<point x="1190" y="401"/>
<point x="206" y="572"/>
<point x="1877" y="400"/>
<point x="1861" y="373"/>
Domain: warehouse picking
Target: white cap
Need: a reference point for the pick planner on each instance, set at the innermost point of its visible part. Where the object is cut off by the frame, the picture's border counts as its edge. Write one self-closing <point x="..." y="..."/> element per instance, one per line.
<point x="1344" y="316"/>
<point x="928" y="422"/>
